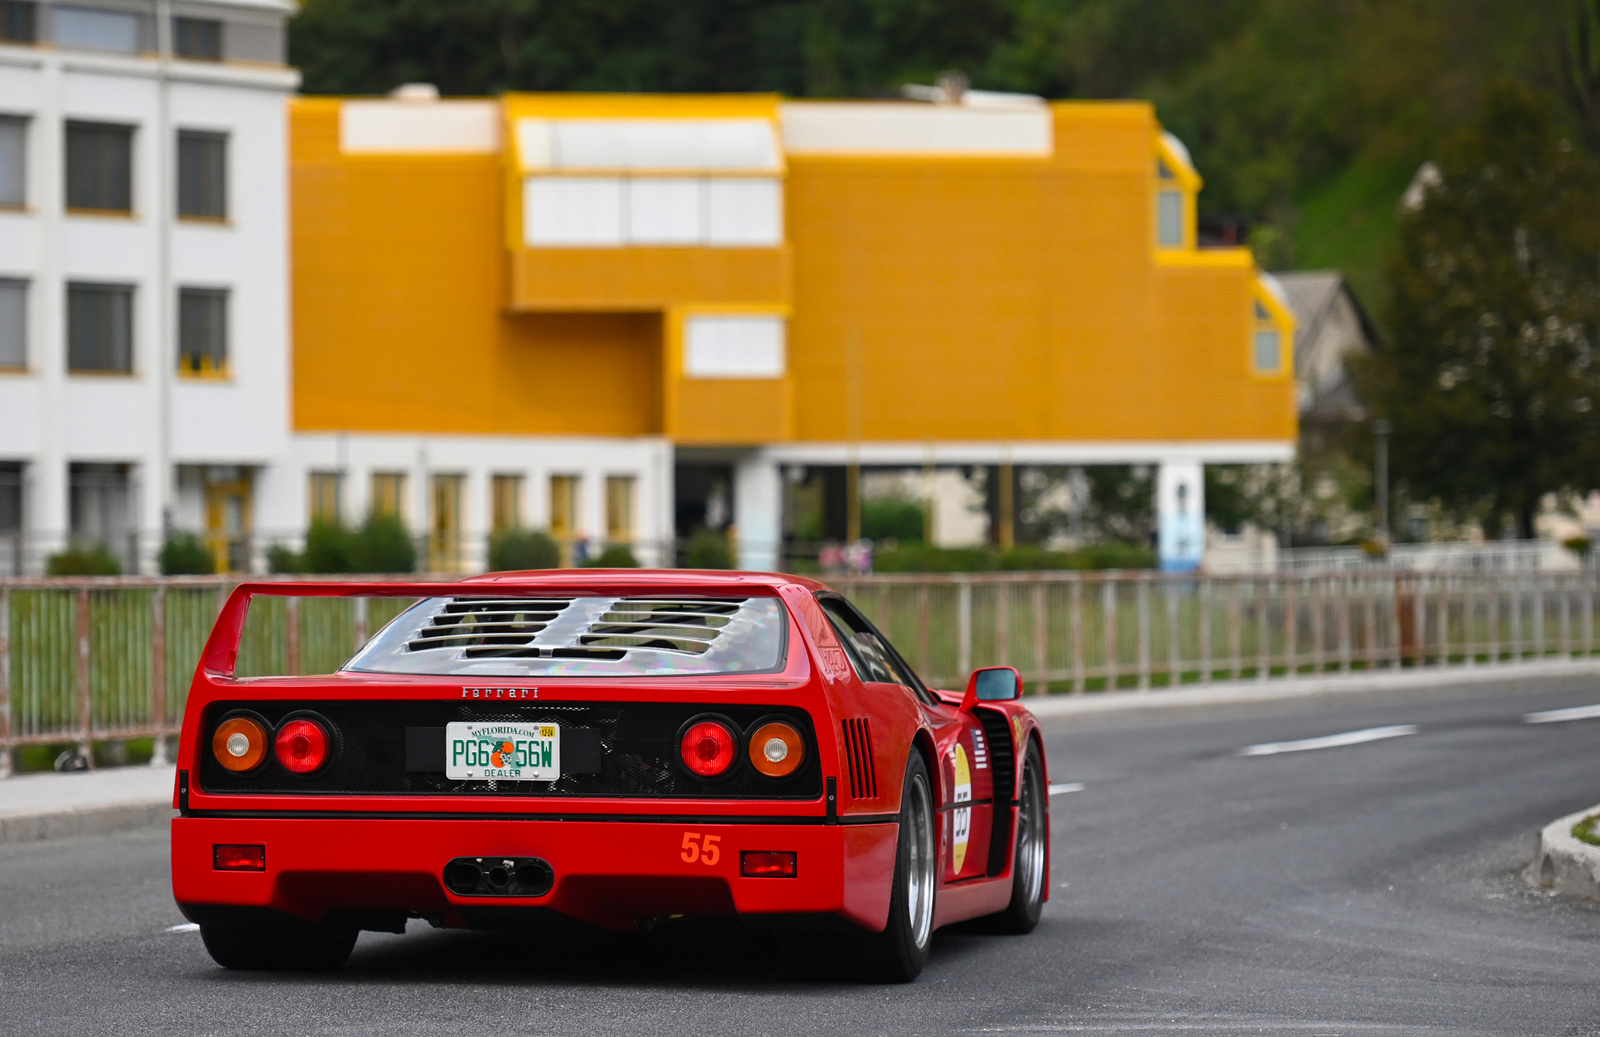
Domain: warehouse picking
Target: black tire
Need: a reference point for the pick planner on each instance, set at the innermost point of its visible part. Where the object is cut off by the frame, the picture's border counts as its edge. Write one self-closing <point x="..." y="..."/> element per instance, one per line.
<point x="1029" y="856"/>
<point x="898" y="954"/>
<point x="301" y="948"/>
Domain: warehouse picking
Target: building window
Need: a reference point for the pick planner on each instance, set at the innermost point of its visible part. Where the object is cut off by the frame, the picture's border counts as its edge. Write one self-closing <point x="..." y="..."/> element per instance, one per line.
<point x="444" y="524"/>
<point x="608" y="211"/>
<point x="13" y="162"/>
<point x="11" y="517"/>
<point x="100" y="328"/>
<point x="388" y="494"/>
<point x="93" y="29"/>
<point x="100" y="508"/>
<point x="506" y="505"/>
<point x="198" y="38"/>
<point x="322" y="493"/>
<point x="619" y="509"/>
<point x="203" y="331"/>
<point x="99" y="167"/>
<point x="564" y="513"/>
<point x="13" y="324"/>
<point x="1268" y="343"/>
<point x="19" y="21"/>
<point x="734" y="347"/>
<point x="202" y="175"/>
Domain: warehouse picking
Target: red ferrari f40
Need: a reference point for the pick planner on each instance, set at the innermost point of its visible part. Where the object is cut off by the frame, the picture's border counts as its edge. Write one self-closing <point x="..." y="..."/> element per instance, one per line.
<point x="522" y="749"/>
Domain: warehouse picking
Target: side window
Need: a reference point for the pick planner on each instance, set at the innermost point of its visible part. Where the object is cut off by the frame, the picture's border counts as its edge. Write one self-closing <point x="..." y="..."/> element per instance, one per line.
<point x="874" y="660"/>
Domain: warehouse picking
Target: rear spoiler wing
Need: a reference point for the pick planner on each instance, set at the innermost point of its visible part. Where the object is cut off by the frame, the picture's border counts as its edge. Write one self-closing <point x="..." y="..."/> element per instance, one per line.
<point x="220" y="657"/>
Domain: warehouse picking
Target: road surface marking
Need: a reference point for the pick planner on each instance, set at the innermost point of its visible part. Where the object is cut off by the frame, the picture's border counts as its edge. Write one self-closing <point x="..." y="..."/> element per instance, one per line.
<point x="1371" y="734"/>
<point x="1556" y="716"/>
<point x="183" y="927"/>
<point x="1071" y="786"/>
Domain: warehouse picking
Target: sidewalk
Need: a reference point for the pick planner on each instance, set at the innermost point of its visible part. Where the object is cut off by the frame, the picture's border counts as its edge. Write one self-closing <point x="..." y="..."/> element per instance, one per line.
<point x="46" y="806"/>
<point x="1224" y="696"/>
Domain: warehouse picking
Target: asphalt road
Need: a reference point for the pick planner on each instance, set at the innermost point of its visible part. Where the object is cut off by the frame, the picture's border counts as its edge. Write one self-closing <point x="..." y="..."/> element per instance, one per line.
<point x="1371" y="888"/>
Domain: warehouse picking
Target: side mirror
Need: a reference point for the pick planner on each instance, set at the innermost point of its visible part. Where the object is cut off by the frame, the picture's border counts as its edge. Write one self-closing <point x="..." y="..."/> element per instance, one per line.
<point x="992" y="684"/>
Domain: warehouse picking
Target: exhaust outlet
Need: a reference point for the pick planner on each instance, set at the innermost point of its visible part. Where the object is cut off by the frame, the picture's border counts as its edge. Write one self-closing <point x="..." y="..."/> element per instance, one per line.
<point x="499" y="877"/>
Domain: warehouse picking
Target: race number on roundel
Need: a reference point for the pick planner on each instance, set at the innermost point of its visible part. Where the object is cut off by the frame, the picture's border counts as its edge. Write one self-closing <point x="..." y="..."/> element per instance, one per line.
<point x="963" y="815"/>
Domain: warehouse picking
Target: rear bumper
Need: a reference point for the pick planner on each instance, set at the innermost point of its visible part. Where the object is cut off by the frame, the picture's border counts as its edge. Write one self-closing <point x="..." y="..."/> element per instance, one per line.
<point x="610" y="873"/>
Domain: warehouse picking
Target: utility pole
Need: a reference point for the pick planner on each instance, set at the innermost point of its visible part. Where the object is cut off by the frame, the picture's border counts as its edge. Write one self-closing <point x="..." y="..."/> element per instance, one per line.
<point x="1380" y="432"/>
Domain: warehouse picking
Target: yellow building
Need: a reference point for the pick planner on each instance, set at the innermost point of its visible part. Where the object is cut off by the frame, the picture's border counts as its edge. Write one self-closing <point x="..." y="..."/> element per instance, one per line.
<point x="607" y="315"/>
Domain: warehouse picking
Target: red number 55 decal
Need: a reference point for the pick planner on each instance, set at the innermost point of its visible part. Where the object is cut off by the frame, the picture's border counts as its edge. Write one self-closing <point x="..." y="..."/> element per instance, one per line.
<point x="704" y="849"/>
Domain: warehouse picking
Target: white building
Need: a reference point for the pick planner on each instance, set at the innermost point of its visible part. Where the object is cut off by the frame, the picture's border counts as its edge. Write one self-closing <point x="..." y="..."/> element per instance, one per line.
<point x="144" y="279"/>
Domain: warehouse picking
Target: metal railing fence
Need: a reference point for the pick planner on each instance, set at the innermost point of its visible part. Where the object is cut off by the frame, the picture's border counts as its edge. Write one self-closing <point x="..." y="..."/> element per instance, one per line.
<point x="86" y="660"/>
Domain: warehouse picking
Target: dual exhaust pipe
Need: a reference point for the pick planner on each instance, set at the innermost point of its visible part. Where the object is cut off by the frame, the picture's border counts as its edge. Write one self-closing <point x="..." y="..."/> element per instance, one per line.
<point x="499" y="876"/>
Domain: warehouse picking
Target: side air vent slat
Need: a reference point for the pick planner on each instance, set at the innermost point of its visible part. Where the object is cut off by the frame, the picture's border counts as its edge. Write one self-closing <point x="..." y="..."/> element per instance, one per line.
<point x="858" y="757"/>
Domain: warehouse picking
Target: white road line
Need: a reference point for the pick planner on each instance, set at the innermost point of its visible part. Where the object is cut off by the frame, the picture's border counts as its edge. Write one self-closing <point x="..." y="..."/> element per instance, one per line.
<point x="183" y="927"/>
<point x="1556" y="716"/>
<point x="1371" y="734"/>
<point x="1070" y="786"/>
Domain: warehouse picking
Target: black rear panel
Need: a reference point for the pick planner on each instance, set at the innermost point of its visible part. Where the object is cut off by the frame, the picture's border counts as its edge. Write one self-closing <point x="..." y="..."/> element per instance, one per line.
<point x="638" y="750"/>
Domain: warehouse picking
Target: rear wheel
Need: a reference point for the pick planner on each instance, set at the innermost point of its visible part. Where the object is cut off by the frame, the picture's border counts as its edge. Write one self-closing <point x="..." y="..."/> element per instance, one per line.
<point x="898" y="954"/>
<point x="299" y="948"/>
<point x="1028" y="858"/>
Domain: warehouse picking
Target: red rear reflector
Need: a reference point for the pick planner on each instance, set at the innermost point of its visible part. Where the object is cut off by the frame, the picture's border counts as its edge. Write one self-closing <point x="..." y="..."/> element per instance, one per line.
<point x="239" y="858"/>
<point x="767" y="864"/>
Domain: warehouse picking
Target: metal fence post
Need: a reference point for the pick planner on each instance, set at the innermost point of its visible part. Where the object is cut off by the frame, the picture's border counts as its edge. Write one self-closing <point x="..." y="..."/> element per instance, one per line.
<point x="158" y="674"/>
<point x="85" y="708"/>
<point x="360" y="623"/>
<point x="1203" y="602"/>
<point x="1291" y="625"/>
<point x="291" y="635"/>
<point x="1079" y="669"/>
<point x="1174" y="655"/>
<point x="964" y="627"/>
<point x="5" y="682"/>
<point x="1263" y="630"/>
<point x="1041" y="653"/>
<point x="1108" y="623"/>
<point x="1142" y="609"/>
<point x="1002" y="622"/>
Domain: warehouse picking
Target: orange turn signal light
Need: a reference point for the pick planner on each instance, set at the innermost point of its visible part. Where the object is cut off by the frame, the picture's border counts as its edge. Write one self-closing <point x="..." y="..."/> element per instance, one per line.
<point x="767" y="864"/>
<point x="240" y="744"/>
<point x="777" y="749"/>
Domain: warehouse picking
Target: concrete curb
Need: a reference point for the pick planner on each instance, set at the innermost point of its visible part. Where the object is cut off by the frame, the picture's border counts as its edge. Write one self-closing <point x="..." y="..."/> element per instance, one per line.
<point x="1301" y="692"/>
<point x="55" y="824"/>
<point x="1563" y="863"/>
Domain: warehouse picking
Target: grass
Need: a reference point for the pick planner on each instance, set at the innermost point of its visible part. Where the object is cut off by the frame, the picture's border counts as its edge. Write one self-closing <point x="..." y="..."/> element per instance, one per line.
<point x="1347" y="223"/>
<point x="1584" y="831"/>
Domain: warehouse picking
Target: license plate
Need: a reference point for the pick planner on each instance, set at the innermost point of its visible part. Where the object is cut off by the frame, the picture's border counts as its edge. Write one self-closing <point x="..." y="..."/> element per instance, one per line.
<point x="501" y="751"/>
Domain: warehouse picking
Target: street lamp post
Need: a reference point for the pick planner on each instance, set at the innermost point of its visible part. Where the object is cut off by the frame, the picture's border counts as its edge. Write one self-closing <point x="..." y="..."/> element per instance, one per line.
<point x="1380" y="432"/>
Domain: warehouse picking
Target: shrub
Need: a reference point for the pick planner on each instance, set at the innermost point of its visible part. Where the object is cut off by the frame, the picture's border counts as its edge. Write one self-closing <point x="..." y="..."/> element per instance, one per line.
<point x="84" y="561"/>
<point x="892" y="518"/>
<point x="185" y="554"/>
<point x="1113" y="556"/>
<point x="708" y="549"/>
<point x="1578" y="546"/>
<point x="329" y="545"/>
<point x="512" y="549"/>
<point x="382" y="545"/>
<point x="615" y="556"/>
<point x="281" y="558"/>
<point x="926" y="558"/>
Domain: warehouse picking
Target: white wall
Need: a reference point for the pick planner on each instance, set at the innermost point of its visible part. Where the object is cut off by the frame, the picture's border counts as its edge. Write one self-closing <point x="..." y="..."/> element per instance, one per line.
<point x="49" y="419"/>
<point x="283" y="509"/>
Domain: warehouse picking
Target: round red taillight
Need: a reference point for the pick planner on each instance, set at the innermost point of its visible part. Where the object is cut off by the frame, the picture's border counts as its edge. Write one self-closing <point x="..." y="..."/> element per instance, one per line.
<point x="301" y="746"/>
<point x="709" y="748"/>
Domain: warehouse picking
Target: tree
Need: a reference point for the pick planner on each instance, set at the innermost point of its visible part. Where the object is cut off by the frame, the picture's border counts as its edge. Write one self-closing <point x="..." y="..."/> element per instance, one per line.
<point x="1490" y="375"/>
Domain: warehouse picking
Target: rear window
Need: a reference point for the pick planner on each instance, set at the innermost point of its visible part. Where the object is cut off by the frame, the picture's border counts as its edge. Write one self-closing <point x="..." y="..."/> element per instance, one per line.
<point x="580" y="636"/>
